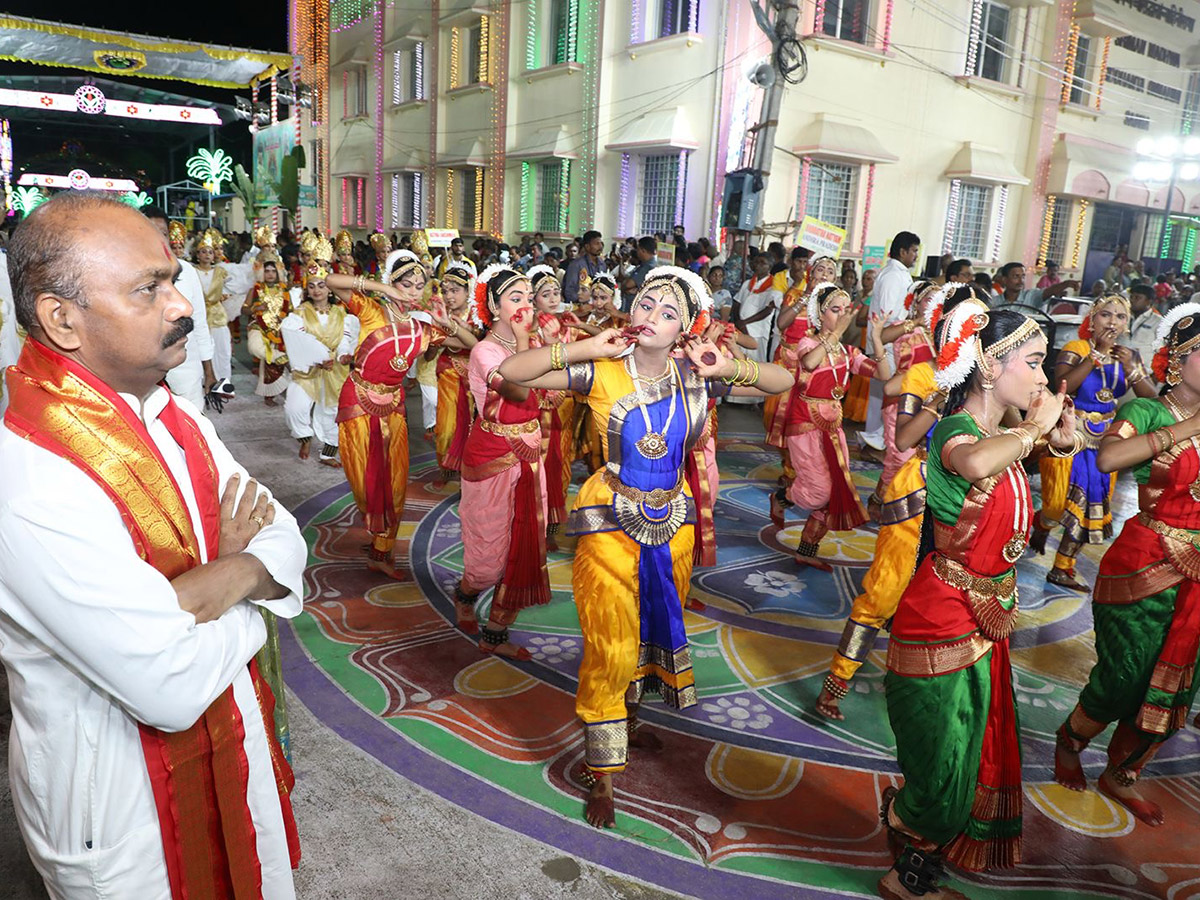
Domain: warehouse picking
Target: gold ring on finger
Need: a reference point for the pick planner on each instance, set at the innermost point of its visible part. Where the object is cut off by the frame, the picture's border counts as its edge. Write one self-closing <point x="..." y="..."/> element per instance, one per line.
<point x="259" y="520"/>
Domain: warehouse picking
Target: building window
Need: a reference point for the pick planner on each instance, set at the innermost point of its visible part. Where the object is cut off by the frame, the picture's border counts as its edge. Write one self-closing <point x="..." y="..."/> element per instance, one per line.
<point x="678" y="16"/>
<point x="970" y="222"/>
<point x="846" y="20"/>
<point x="354" y="92"/>
<point x="831" y="192"/>
<point x="551" y="199"/>
<point x="408" y="76"/>
<point x="354" y="201"/>
<point x="658" y="191"/>
<point x="1060" y="222"/>
<point x="1080" y="86"/>
<point x="470" y="199"/>
<point x="407" y="200"/>
<point x="990" y="43"/>
<point x="1153" y="243"/>
<point x="564" y="32"/>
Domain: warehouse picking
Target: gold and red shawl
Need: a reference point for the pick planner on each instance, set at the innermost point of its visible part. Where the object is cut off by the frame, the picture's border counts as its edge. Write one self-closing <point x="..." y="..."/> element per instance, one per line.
<point x="199" y="776"/>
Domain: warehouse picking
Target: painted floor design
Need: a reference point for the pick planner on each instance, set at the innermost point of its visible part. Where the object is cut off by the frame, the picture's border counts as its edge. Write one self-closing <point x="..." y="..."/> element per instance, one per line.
<point x="754" y="796"/>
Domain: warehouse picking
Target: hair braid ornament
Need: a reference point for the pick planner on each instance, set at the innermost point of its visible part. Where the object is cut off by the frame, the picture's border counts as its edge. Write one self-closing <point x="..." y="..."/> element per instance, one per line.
<point x="918" y="291"/>
<point x="816" y="306"/>
<point x="1168" y="360"/>
<point x="488" y="286"/>
<point x="934" y="305"/>
<point x="959" y="354"/>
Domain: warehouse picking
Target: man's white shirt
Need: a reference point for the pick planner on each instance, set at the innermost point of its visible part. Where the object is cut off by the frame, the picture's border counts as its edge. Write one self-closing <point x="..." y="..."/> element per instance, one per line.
<point x="187" y="378"/>
<point x="94" y="642"/>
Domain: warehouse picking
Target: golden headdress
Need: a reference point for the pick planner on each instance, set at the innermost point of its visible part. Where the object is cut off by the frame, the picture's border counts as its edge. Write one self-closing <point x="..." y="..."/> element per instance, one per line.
<point x="420" y="244"/>
<point x="322" y="249"/>
<point x="689" y="290"/>
<point x="264" y="236"/>
<point x="308" y="242"/>
<point x="268" y="255"/>
<point x="380" y="243"/>
<point x="176" y="233"/>
<point x="344" y="242"/>
<point x="211" y="238"/>
<point x="317" y="270"/>
<point x="399" y="263"/>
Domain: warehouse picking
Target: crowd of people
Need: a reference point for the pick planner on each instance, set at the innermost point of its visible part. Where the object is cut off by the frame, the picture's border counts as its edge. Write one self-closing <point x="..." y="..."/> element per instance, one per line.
<point x="537" y="367"/>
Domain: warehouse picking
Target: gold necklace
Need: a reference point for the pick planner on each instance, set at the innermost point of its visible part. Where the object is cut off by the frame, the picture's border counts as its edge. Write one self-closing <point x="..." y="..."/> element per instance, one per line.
<point x="1175" y="407"/>
<point x="648" y="380"/>
<point x="510" y="346"/>
<point x="978" y="424"/>
<point x="653" y="444"/>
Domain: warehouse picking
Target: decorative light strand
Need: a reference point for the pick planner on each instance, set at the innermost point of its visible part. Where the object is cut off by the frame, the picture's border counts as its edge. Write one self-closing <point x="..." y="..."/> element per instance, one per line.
<point x="455" y="58"/>
<point x="998" y="234"/>
<point x="397" y="65"/>
<point x="819" y="17"/>
<point x="1189" y="249"/>
<point x="637" y="21"/>
<point x="451" y="207"/>
<point x="6" y="163"/>
<point x="951" y="216"/>
<point x="866" y="220"/>
<point x="122" y="109"/>
<point x="1068" y="70"/>
<point x="1077" y="243"/>
<point x="431" y="216"/>
<point x="477" y="225"/>
<point x="694" y="16"/>
<point x="973" y="38"/>
<point x="527" y="196"/>
<point x="484" y="74"/>
<point x="564" y="196"/>
<point x="499" y="74"/>
<point x="681" y="170"/>
<point x="802" y="187"/>
<point x="418" y="70"/>
<point x="886" y="40"/>
<point x="533" y="49"/>
<point x="572" y="48"/>
<point x="626" y="195"/>
<point x="1047" y="227"/>
<point x="394" y="206"/>
<point x="591" y="36"/>
<point x="418" y="198"/>
<point x="378" y="173"/>
<point x="1102" y="75"/>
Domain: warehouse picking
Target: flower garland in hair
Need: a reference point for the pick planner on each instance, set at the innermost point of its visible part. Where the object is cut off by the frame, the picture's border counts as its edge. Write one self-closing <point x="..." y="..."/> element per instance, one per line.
<point x="698" y="296"/>
<point x="958" y="356"/>
<point x="1163" y="355"/>
<point x="814" y="305"/>
<point x="919" y="288"/>
<point x="482" y="313"/>
<point x="934" y="306"/>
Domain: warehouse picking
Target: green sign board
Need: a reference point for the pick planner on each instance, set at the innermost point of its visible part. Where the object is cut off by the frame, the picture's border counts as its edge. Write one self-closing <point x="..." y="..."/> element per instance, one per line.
<point x="874" y="256"/>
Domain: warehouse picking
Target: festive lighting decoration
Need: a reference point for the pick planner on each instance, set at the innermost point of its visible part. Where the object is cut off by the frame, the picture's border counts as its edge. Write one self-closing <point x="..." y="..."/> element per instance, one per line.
<point x="497" y="71"/>
<point x="626" y="195"/>
<point x="637" y="21"/>
<point x="274" y="112"/>
<point x="886" y="40"/>
<point x="418" y="197"/>
<point x="26" y="199"/>
<point x="533" y="43"/>
<point x="570" y="37"/>
<point x="121" y="109"/>
<point x="527" y="190"/>
<point x="431" y="165"/>
<point x="418" y="53"/>
<point x="1189" y="249"/>
<point x="211" y="168"/>
<point x="346" y="202"/>
<point x="680" y="186"/>
<point x="590" y="37"/>
<point x="1102" y="73"/>
<point x="361" y="185"/>
<point x="455" y="58"/>
<point x="345" y="14"/>
<point x="378" y="173"/>
<point x="866" y="221"/>
<point x="973" y="37"/>
<point x="136" y="199"/>
<point x="6" y="163"/>
<point x="79" y="180"/>
<point x="485" y="68"/>
<point x="1164" y="250"/>
<point x="694" y="17"/>
<point x="394" y="207"/>
<point x="564" y="196"/>
<point x="951" y="215"/>
<point x="1077" y="243"/>
<point x="998" y="233"/>
<point x="477" y="225"/>
<point x="1068" y="70"/>
<point x="802" y="187"/>
<point x="1047" y="226"/>
<point x="89" y="99"/>
<point x="451" y="207"/>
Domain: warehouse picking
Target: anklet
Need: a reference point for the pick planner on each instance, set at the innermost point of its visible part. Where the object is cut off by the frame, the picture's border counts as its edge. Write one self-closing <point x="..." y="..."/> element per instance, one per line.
<point x="836" y="687"/>
<point x="493" y="637"/>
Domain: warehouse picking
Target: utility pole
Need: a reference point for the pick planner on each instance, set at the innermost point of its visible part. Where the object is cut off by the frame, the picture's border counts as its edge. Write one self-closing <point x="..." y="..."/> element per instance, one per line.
<point x="746" y="188"/>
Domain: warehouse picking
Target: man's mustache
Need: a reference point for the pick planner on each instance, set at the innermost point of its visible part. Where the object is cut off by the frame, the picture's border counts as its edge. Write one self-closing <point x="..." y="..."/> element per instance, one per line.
<point x="183" y="327"/>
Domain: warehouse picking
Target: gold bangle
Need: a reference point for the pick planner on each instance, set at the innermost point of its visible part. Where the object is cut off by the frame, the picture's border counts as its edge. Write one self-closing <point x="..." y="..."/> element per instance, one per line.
<point x="1026" y="439"/>
<point x="909" y="326"/>
<point x="1165" y="438"/>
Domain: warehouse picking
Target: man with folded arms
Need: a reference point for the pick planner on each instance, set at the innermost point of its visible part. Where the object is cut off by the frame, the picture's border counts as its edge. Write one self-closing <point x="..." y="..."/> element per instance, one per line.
<point x="134" y="556"/>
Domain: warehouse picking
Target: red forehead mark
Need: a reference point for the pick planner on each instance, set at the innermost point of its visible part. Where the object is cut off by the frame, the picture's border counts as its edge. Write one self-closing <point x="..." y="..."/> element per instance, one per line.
<point x="166" y="250"/>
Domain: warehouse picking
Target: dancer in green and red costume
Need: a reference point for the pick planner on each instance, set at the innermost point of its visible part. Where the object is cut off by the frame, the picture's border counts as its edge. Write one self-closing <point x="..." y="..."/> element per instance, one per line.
<point x="1146" y="605"/>
<point x="949" y="681"/>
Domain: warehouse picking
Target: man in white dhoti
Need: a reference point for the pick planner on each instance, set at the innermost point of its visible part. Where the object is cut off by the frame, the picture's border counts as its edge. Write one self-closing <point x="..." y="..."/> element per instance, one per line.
<point x="757" y="303"/>
<point x="135" y="555"/>
<point x="320" y="339"/>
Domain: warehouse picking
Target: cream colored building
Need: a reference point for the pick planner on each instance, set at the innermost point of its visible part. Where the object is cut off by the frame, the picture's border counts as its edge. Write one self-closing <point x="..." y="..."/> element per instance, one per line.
<point x="994" y="130"/>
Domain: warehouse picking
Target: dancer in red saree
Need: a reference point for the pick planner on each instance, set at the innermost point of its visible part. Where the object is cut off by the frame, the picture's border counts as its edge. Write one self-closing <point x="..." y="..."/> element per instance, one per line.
<point x="1146" y="604"/>
<point x="949" y="681"/>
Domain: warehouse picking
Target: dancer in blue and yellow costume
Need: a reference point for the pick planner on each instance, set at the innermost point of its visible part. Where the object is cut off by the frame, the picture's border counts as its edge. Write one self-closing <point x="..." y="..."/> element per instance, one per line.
<point x="1074" y="491"/>
<point x="634" y="516"/>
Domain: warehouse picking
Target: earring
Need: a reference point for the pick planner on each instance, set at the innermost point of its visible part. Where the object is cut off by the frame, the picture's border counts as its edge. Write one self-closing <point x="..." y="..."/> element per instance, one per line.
<point x="1174" y="371"/>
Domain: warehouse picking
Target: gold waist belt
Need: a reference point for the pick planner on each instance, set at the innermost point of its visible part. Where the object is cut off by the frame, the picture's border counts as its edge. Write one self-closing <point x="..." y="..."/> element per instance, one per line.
<point x="1170" y="531"/>
<point x="510" y="429"/>
<point x="655" y="498"/>
<point x="957" y="576"/>
<point x="1096" y="417"/>
<point x="373" y="386"/>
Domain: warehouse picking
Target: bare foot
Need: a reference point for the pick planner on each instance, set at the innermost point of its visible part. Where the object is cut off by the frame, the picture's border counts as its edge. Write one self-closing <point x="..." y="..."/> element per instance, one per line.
<point x="1068" y="771"/>
<point x="874" y="507"/>
<point x="388" y="568"/>
<point x="694" y="605"/>
<point x="464" y="610"/>
<point x="641" y="739"/>
<point x="269" y="401"/>
<point x="813" y="562"/>
<point x="1129" y="797"/>
<point x="304" y="449"/>
<point x="599" y="811"/>
<point x="890" y="888"/>
<point x="551" y="544"/>
<point x="827" y="706"/>
<point x="332" y="461"/>
<point x="1064" y="579"/>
